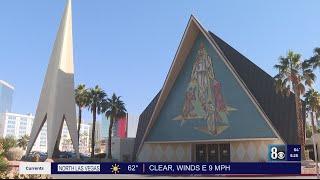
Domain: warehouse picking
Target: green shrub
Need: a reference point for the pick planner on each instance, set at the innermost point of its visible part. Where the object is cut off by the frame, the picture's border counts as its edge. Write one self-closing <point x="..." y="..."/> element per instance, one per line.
<point x="8" y="143"/>
<point x="3" y="166"/>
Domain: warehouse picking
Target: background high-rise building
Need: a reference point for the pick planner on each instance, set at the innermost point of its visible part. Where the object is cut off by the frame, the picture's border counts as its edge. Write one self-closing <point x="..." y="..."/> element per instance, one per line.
<point x="18" y="125"/>
<point x="131" y="126"/>
<point x="6" y="92"/>
<point x="119" y="129"/>
<point x="104" y="127"/>
<point x="66" y="143"/>
<point x="15" y="125"/>
<point x="133" y="121"/>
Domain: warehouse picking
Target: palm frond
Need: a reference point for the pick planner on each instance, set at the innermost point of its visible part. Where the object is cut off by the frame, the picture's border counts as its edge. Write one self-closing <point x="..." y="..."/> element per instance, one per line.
<point x="114" y="108"/>
<point x="293" y="73"/>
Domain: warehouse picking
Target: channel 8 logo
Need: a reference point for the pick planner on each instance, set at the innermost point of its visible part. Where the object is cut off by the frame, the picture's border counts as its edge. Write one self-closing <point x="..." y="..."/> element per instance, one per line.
<point x="277" y="153"/>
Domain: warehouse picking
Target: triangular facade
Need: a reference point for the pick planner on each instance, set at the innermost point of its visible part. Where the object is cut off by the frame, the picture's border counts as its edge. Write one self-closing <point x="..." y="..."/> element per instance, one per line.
<point x="207" y="103"/>
<point x="203" y="100"/>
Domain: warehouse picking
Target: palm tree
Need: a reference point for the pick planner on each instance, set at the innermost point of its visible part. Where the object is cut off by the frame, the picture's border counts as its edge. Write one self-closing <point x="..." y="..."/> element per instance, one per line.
<point x="23" y="142"/>
<point x="82" y="100"/>
<point x="312" y="99"/>
<point x="114" y="109"/>
<point x="96" y="99"/>
<point x="317" y="115"/>
<point x="293" y="75"/>
<point x="315" y="59"/>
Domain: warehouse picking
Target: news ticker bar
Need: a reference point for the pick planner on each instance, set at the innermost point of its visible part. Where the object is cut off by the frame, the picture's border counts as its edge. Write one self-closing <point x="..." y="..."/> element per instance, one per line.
<point x="285" y="168"/>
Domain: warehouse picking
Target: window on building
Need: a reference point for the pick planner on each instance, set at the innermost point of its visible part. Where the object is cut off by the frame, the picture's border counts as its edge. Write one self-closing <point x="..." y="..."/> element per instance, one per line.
<point x="11" y="122"/>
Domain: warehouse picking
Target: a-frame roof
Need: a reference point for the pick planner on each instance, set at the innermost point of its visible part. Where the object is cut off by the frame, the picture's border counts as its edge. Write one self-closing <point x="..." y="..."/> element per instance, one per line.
<point x="277" y="110"/>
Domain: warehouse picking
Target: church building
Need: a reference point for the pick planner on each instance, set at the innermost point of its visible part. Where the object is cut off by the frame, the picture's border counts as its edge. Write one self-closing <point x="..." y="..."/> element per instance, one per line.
<point x="214" y="106"/>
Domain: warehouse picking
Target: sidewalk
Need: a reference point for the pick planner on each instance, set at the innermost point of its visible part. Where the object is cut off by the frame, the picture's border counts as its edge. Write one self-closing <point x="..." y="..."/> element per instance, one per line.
<point x="119" y="176"/>
<point x="310" y="169"/>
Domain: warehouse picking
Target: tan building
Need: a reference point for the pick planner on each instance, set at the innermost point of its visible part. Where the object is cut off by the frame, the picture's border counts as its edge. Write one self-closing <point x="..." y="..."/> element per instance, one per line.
<point x="121" y="148"/>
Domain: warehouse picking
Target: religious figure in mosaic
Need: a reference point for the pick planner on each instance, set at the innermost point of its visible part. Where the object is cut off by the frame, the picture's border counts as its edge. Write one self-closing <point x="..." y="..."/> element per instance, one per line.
<point x="203" y="97"/>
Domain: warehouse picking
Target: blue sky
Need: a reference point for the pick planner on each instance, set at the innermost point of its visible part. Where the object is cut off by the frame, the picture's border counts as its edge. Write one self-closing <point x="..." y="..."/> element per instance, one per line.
<point x="127" y="46"/>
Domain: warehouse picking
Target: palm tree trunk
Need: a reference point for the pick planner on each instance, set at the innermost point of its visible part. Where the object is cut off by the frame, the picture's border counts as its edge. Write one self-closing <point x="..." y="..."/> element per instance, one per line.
<point x="109" y="139"/>
<point x="79" y="125"/>
<point x="314" y="130"/>
<point x="300" y="126"/>
<point x="316" y="124"/>
<point x="93" y="131"/>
